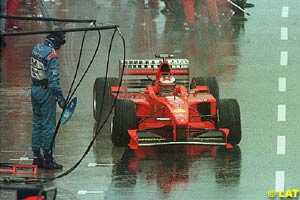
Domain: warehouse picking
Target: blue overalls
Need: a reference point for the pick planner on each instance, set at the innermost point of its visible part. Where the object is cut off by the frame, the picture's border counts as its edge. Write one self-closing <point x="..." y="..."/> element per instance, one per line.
<point x="45" y="84"/>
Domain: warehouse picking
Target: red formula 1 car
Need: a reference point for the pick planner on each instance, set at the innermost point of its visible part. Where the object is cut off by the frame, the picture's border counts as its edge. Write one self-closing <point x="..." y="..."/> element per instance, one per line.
<point x="157" y="105"/>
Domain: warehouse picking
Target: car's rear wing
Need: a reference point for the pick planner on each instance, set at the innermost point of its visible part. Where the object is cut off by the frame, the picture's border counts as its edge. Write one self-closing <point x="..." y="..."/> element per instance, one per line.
<point x="140" y="72"/>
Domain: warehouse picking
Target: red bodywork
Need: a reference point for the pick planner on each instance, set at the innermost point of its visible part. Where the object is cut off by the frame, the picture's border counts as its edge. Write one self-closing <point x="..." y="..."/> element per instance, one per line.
<point x="173" y="119"/>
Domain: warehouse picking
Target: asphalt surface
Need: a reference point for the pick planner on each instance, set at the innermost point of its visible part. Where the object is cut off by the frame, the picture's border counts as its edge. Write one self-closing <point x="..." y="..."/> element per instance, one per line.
<point x="255" y="62"/>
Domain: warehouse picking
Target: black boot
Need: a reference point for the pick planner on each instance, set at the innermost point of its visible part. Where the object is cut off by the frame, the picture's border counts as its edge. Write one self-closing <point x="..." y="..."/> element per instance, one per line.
<point x="38" y="159"/>
<point x="49" y="162"/>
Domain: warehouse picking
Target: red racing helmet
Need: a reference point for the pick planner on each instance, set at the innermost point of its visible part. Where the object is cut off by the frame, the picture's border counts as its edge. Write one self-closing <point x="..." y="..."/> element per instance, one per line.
<point x="167" y="85"/>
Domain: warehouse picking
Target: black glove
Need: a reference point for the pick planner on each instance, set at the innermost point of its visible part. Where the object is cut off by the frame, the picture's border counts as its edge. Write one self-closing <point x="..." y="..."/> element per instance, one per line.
<point x="60" y="99"/>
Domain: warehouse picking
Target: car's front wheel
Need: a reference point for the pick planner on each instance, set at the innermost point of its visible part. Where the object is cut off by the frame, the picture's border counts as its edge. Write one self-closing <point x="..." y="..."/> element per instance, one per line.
<point x="229" y="117"/>
<point x="124" y="119"/>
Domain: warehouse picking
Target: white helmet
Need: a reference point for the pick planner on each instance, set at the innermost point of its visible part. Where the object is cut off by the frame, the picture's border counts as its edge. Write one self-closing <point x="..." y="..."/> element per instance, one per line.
<point x="167" y="84"/>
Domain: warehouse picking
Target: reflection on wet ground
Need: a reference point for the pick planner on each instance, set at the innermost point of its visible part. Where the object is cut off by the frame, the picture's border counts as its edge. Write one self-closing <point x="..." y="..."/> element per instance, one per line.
<point x="172" y="168"/>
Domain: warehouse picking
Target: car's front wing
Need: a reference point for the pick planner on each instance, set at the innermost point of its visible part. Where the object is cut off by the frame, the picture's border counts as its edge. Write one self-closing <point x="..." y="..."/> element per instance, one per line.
<point x="213" y="137"/>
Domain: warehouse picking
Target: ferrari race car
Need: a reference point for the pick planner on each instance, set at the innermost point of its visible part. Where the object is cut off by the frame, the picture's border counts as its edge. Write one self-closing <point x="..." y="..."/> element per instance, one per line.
<point x="156" y="104"/>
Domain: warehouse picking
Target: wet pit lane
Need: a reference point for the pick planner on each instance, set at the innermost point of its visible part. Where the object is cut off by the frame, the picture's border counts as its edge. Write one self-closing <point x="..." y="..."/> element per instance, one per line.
<point x="254" y="63"/>
<point x="152" y="172"/>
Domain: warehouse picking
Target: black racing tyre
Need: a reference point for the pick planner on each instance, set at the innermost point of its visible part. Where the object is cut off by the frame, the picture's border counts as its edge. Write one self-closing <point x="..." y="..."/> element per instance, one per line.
<point x="124" y="119"/>
<point x="99" y="97"/>
<point x="229" y="117"/>
<point x="211" y="82"/>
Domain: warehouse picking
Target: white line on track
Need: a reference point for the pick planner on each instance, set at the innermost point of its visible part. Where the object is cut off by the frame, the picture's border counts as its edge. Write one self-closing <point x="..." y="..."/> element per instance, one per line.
<point x="281" y="113"/>
<point x="7" y="151"/>
<point x="100" y="164"/>
<point x="84" y="192"/>
<point x="282" y="84"/>
<point x="285" y="11"/>
<point x="281" y="110"/>
<point x="20" y="159"/>
<point x="284" y="33"/>
<point x="281" y="145"/>
<point x="283" y="58"/>
<point x="279" y="181"/>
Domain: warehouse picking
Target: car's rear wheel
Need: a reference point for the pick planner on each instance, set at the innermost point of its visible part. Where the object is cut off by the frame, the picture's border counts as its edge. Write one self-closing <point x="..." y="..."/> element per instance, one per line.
<point x="229" y="117"/>
<point x="211" y="82"/>
<point x="124" y="119"/>
<point x="101" y="99"/>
